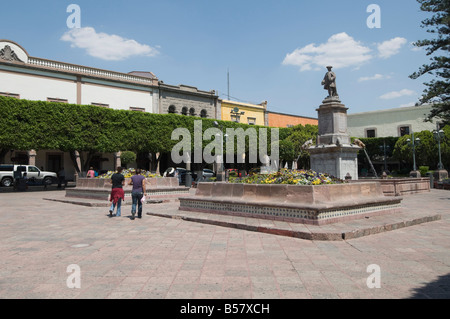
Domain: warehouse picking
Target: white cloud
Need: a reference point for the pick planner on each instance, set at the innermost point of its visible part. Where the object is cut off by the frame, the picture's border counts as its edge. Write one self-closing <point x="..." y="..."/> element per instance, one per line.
<point x="340" y="51"/>
<point x="391" y="47"/>
<point x="415" y="48"/>
<point x="106" y="46"/>
<point x="375" y="77"/>
<point x="397" y="94"/>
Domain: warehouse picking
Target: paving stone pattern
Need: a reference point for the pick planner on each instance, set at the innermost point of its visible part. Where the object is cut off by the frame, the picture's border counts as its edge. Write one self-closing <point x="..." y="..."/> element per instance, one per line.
<point x="164" y="258"/>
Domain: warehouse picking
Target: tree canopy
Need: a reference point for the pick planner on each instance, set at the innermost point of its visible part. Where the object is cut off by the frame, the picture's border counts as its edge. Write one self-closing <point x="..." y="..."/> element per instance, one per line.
<point x="438" y="89"/>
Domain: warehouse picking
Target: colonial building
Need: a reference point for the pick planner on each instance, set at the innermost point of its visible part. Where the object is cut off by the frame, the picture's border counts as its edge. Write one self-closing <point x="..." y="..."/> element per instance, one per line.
<point x="288" y="120"/>
<point x="26" y="77"/>
<point x="252" y="114"/>
<point x="392" y="122"/>
<point x="189" y="101"/>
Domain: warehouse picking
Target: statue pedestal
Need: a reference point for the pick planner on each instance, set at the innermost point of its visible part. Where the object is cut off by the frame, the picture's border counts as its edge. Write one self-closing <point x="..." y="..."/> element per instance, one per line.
<point x="334" y="154"/>
<point x="337" y="161"/>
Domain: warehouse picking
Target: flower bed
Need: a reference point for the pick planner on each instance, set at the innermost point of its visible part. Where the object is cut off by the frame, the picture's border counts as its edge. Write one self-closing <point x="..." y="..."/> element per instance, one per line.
<point x="290" y="177"/>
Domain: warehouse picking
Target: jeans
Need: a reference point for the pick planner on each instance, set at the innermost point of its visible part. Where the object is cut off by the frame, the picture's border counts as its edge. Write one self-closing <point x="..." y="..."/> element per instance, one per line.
<point x="136" y="197"/>
<point x="119" y="206"/>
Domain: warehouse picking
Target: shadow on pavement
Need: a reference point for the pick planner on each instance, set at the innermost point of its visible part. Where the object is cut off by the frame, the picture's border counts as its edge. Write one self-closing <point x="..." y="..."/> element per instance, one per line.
<point x="36" y="188"/>
<point x="438" y="289"/>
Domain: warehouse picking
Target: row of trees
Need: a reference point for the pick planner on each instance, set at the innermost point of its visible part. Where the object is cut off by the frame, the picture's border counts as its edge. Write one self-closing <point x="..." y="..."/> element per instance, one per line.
<point x="89" y="129"/>
<point x="43" y="125"/>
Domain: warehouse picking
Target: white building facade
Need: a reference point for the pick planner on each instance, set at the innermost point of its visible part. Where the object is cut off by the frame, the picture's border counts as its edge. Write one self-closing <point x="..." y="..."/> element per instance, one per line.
<point x="25" y="77"/>
<point x="392" y="122"/>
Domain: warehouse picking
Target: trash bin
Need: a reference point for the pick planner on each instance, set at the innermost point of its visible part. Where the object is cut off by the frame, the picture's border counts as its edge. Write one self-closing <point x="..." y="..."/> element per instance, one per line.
<point x="188" y="179"/>
<point x="22" y="185"/>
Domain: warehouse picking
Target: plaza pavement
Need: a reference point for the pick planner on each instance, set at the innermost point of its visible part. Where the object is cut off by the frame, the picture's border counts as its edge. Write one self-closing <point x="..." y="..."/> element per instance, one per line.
<point x="164" y="258"/>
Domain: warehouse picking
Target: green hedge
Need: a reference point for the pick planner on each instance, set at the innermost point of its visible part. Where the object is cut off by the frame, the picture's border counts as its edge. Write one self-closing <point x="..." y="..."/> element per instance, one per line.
<point x="39" y="125"/>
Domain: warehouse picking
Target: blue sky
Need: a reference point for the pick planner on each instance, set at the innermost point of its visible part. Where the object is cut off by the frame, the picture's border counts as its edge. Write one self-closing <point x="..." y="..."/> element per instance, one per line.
<point x="275" y="50"/>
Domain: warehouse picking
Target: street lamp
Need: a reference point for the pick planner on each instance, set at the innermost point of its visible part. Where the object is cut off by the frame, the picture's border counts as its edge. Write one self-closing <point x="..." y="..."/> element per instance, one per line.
<point x="385" y="148"/>
<point x="414" y="142"/>
<point x="439" y="135"/>
<point x="441" y="173"/>
<point x="220" y="172"/>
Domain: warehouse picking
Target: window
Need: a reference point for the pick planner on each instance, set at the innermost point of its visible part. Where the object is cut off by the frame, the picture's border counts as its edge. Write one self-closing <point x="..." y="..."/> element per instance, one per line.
<point x="7" y="94"/>
<point x="56" y="100"/>
<point x="404" y="130"/>
<point x="251" y="120"/>
<point x="290" y="125"/>
<point x="236" y="118"/>
<point x="192" y="112"/>
<point x="33" y="169"/>
<point x="137" y="109"/>
<point x="100" y="105"/>
<point x="184" y="111"/>
<point x="371" y="133"/>
<point x="172" y="109"/>
<point x="203" y="114"/>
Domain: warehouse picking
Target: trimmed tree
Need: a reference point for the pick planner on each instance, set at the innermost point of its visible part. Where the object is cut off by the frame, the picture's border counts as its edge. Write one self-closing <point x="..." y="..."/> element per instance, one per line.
<point x="438" y="90"/>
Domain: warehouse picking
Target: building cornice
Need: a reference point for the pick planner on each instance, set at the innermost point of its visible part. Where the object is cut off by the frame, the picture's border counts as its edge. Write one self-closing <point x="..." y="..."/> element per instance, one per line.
<point x="78" y="70"/>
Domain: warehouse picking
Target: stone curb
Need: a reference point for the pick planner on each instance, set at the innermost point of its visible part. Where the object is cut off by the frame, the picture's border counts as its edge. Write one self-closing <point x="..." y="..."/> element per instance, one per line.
<point x="319" y="236"/>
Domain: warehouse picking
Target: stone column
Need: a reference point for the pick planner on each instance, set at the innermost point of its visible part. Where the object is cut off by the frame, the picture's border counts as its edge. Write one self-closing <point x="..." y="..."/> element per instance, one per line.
<point x="117" y="161"/>
<point x="31" y="157"/>
<point x="334" y="154"/>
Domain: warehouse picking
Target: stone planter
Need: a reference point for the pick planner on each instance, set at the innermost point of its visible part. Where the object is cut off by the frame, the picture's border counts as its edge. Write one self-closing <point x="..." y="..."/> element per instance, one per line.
<point x="404" y="186"/>
<point x="99" y="189"/>
<point x="316" y="205"/>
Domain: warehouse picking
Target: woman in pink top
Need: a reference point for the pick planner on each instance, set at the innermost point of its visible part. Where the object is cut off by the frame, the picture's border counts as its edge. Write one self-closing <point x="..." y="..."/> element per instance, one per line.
<point x="90" y="173"/>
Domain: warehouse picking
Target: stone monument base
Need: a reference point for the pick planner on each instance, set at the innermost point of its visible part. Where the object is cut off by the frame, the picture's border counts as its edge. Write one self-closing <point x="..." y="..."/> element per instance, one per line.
<point x="314" y="205"/>
<point x="337" y="161"/>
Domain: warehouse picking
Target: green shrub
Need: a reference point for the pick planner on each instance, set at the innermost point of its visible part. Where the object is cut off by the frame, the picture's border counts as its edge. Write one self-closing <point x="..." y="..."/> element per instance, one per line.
<point x="127" y="157"/>
<point x="423" y="170"/>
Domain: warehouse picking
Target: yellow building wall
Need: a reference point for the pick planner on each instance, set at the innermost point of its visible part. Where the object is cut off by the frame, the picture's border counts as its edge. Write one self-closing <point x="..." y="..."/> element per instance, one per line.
<point x="256" y="112"/>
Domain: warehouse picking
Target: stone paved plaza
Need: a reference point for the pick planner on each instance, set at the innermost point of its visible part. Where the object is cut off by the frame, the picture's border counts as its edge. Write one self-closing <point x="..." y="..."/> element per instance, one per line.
<point x="159" y="257"/>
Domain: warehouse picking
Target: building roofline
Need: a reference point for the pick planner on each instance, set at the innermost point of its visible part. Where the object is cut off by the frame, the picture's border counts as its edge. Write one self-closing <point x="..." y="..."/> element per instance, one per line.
<point x="80" y="70"/>
<point x="15" y="43"/>
<point x="393" y="109"/>
<point x="186" y="89"/>
<point x="303" y="117"/>
<point x="258" y="106"/>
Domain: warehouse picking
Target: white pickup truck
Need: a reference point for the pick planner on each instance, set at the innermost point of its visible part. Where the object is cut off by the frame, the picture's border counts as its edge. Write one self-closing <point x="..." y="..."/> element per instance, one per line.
<point x="9" y="172"/>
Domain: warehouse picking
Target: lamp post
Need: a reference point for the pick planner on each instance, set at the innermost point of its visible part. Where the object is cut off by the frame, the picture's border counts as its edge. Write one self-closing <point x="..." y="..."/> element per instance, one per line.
<point x="414" y="142"/>
<point x="220" y="170"/>
<point x="441" y="173"/>
<point x="385" y="148"/>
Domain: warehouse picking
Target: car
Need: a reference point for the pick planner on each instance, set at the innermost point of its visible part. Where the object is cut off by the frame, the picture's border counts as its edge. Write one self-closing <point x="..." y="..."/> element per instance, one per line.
<point x="181" y="173"/>
<point x="207" y="173"/>
<point x="11" y="172"/>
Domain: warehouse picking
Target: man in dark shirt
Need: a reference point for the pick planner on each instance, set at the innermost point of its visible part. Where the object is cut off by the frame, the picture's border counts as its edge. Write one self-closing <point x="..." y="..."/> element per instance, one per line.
<point x="117" y="193"/>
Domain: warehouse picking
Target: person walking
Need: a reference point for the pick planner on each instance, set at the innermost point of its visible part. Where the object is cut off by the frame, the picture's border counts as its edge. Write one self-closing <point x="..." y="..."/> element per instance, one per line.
<point x="117" y="193"/>
<point x="61" y="178"/>
<point x="137" y="193"/>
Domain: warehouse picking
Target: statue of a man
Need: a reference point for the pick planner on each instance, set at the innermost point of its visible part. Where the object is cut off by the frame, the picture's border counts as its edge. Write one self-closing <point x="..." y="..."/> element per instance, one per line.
<point x="329" y="83"/>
